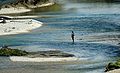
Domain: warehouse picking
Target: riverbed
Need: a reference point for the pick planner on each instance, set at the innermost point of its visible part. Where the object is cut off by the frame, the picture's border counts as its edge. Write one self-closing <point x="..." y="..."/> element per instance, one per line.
<point x="97" y="37"/>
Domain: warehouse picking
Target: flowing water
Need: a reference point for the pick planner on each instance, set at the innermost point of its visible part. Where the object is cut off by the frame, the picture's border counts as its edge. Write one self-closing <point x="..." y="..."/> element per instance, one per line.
<point x="97" y="37"/>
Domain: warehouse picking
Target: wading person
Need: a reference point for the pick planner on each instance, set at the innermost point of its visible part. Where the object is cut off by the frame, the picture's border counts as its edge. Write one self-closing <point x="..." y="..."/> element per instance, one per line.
<point x="72" y="36"/>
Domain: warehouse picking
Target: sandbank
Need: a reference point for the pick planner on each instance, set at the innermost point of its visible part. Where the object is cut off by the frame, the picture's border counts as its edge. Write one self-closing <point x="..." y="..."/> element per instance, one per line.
<point x="19" y="26"/>
<point x="42" y="59"/>
<point x="14" y="10"/>
<point x="114" y="71"/>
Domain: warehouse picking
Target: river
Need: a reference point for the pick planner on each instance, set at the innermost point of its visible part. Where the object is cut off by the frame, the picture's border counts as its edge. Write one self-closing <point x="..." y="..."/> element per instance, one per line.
<point x="97" y="37"/>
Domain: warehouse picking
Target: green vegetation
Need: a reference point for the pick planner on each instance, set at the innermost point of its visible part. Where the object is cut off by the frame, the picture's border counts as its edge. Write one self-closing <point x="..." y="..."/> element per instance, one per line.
<point x="112" y="66"/>
<point x="12" y="52"/>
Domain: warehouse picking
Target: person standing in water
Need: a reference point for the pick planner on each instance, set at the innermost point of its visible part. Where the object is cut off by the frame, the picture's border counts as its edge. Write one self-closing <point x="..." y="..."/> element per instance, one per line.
<point x="72" y="36"/>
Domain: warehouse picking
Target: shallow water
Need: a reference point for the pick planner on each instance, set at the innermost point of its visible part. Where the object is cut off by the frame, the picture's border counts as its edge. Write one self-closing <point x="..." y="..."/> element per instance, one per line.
<point x="97" y="34"/>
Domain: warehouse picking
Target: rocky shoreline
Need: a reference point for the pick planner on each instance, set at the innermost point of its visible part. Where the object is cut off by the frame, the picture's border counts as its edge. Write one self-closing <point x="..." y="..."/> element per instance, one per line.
<point x="113" y="67"/>
<point x="27" y="3"/>
<point x="22" y="6"/>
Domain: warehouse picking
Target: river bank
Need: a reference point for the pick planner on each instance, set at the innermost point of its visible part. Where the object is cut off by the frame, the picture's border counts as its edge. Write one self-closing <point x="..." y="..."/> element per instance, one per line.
<point x="22" y="9"/>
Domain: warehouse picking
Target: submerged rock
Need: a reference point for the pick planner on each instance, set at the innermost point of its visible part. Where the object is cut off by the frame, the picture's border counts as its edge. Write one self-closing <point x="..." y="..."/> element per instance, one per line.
<point x="51" y="53"/>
